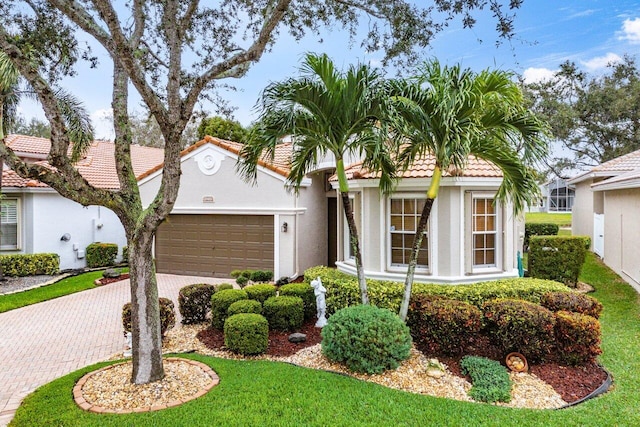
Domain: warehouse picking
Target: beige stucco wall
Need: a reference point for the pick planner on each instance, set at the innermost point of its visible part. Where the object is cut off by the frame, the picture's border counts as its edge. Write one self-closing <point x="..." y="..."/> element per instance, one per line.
<point x="622" y="233"/>
<point x="583" y="210"/>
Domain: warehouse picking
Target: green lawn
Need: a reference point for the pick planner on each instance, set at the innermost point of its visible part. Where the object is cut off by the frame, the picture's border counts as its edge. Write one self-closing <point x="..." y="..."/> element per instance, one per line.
<point x="260" y="393"/>
<point x="562" y="219"/>
<point x="64" y="287"/>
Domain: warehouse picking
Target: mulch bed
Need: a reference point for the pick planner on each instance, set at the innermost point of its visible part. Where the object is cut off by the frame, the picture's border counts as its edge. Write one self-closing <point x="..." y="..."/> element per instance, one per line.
<point x="107" y="280"/>
<point x="572" y="383"/>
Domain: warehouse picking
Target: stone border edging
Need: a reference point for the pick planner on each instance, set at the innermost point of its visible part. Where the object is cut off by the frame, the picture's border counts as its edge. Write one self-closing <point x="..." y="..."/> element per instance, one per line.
<point x="603" y="388"/>
<point x="83" y="404"/>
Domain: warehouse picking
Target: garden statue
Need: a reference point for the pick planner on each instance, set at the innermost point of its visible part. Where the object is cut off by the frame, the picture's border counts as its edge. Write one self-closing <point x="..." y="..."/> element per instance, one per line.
<point x="127" y="346"/>
<point x="321" y="304"/>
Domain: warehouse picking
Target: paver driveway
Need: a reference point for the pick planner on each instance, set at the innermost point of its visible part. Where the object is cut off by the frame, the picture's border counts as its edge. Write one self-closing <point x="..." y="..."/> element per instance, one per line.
<point x="44" y="341"/>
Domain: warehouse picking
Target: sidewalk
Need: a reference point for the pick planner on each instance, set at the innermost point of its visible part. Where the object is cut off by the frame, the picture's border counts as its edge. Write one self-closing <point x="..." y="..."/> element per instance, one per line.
<point x="45" y="341"/>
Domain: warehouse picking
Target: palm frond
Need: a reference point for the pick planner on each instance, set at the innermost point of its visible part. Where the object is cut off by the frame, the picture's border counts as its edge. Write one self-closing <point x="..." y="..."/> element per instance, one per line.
<point x="77" y="121"/>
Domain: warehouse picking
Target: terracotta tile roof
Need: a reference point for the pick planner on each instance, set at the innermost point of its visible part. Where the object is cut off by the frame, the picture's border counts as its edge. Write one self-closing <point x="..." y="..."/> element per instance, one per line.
<point x="625" y="163"/>
<point x="280" y="164"/>
<point x="98" y="166"/>
<point x="423" y="168"/>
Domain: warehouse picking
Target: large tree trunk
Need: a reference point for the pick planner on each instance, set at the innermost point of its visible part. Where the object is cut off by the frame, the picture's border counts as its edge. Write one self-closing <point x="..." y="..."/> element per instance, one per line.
<point x="354" y="242"/>
<point x="145" y="312"/>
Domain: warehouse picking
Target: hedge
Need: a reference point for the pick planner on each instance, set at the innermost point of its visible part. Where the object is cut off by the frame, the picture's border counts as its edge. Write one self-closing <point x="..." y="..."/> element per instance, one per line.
<point x="342" y="290"/>
<point x="20" y="265"/>
<point x="558" y="258"/>
<point x="101" y="254"/>
<point x="540" y="229"/>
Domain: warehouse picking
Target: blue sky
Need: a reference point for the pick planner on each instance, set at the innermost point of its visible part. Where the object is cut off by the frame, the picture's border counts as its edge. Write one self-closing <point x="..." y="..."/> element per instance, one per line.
<point x="589" y="32"/>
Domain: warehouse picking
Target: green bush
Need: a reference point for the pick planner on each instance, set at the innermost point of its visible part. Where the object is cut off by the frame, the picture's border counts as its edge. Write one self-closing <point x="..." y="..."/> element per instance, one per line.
<point x="244" y="306"/>
<point x="342" y="290"/>
<point x="261" y="292"/>
<point x="366" y="339"/>
<point x="236" y="273"/>
<point x="125" y="254"/>
<point x="490" y="380"/>
<point x="20" y="265"/>
<point x="284" y="280"/>
<point x="167" y="315"/>
<point x="558" y="258"/>
<point x="101" y="254"/>
<point x="194" y="301"/>
<point x="539" y="229"/>
<point x="443" y="326"/>
<point x="220" y="302"/>
<point x="304" y="291"/>
<point x="261" y="276"/>
<point x="284" y="313"/>
<point x="572" y="301"/>
<point x="223" y="286"/>
<point x="521" y="326"/>
<point x="578" y="337"/>
<point x="246" y="333"/>
<point x="242" y="281"/>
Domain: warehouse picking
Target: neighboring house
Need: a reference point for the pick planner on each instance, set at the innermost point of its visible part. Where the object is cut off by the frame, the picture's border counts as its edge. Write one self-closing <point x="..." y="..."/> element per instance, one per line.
<point x="556" y="195"/>
<point x="35" y="217"/>
<point x="470" y="238"/>
<point x="607" y="209"/>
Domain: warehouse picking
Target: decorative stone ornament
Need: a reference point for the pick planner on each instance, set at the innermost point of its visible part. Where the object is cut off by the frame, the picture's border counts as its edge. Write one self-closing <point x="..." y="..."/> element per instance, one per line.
<point x="128" y="345"/>
<point x="319" y="291"/>
<point x="209" y="161"/>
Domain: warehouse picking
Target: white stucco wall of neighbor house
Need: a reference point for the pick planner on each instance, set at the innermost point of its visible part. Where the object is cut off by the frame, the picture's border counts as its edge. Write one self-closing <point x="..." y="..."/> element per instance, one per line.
<point x="46" y="217"/>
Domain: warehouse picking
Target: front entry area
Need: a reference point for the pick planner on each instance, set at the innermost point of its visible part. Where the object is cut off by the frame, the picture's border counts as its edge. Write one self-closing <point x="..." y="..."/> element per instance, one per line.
<point x="214" y="245"/>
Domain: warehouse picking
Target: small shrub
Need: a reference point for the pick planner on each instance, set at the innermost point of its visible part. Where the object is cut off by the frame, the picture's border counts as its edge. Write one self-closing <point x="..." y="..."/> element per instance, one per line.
<point x="101" y="254"/>
<point x="20" y="265"/>
<point x="558" y="258"/>
<point x="244" y="306"/>
<point x="125" y="254"/>
<point x="246" y="333"/>
<point x="520" y="326"/>
<point x="242" y="281"/>
<point x="304" y="291"/>
<point x="490" y="380"/>
<point x="220" y="302"/>
<point x="284" y="313"/>
<point x="284" y="280"/>
<point x="578" y="337"/>
<point x="194" y="301"/>
<point x="540" y="229"/>
<point x="366" y="339"/>
<point x="261" y="276"/>
<point x="443" y="326"/>
<point x="236" y="273"/>
<point x="261" y="292"/>
<point x="572" y="301"/>
<point x="223" y="286"/>
<point x="167" y="315"/>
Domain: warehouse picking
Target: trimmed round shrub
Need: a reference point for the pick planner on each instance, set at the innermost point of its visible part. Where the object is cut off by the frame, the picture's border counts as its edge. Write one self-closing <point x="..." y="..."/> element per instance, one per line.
<point x="194" y="301"/>
<point x="220" y="302"/>
<point x="284" y="280"/>
<point x="572" y="301"/>
<point x="223" y="286"/>
<point x="284" y="313"/>
<point x="167" y="315"/>
<point x="304" y="291"/>
<point x="443" y="326"/>
<point x="242" y="281"/>
<point x="246" y="333"/>
<point x="577" y="337"/>
<point x="261" y="276"/>
<point x="521" y="326"/>
<point x="261" y="292"/>
<point x="366" y="339"/>
<point x="244" y="306"/>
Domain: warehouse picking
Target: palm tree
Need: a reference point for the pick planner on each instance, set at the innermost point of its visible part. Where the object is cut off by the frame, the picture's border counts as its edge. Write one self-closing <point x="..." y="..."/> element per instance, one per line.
<point x="326" y="111"/>
<point x="451" y="114"/>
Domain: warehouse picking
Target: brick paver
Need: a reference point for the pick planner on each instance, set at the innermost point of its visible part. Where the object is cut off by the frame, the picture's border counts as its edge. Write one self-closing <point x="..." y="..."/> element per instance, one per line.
<point x="45" y="341"/>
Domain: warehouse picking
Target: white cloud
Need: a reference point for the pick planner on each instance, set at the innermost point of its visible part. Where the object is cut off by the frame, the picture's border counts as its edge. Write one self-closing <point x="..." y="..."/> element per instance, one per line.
<point x="631" y="30"/>
<point x="534" y="75"/>
<point x="600" y="62"/>
<point x="103" y="124"/>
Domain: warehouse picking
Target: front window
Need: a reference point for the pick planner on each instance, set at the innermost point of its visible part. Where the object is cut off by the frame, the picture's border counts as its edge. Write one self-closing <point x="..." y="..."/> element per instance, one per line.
<point x="404" y="218"/>
<point x="9" y="224"/>
<point x="484" y="232"/>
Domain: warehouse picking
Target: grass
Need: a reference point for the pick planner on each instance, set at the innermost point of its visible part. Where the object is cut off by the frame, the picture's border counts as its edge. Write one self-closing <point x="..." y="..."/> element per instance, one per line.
<point x="562" y="219"/>
<point x="277" y="394"/>
<point x="64" y="287"/>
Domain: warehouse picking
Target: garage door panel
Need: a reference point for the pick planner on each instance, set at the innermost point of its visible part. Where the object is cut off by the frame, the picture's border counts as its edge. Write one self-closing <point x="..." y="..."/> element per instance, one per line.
<point x="214" y="245"/>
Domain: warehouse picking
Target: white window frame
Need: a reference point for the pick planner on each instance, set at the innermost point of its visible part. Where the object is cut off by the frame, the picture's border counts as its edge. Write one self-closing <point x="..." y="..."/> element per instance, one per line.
<point x="18" y="245"/>
<point x="402" y="268"/>
<point x="498" y="237"/>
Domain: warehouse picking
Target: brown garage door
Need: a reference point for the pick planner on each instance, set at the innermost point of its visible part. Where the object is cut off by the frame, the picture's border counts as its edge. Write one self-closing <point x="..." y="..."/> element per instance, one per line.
<point x="214" y="245"/>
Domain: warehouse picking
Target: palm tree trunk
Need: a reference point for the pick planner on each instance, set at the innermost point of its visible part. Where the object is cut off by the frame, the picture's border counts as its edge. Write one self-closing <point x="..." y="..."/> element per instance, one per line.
<point x="417" y="241"/>
<point x="354" y="242"/>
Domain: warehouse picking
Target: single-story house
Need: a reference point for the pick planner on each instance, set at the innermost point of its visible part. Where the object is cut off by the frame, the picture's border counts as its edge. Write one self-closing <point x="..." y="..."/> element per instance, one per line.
<point x="36" y="219"/>
<point x="607" y="208"/>
<point x="557" y="195"/>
